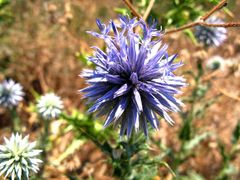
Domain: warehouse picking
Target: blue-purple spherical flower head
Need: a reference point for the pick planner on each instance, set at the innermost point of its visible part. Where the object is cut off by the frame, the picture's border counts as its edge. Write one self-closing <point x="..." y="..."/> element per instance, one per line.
<point x="11" y="93"/>
<point x="133" y="80"/>
<point x="211" y="35"/>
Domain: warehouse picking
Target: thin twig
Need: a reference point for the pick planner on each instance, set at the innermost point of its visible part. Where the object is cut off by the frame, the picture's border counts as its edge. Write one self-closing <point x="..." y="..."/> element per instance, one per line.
<point x="148" y="10"/>
<point x="210" y="76"/>
<point x="214" y="9"/>
<point x="224" y="92"/>
<point x="187" y="26"/>
<point x="134" y="12"/>
<point x="201" y="21"/>
<point x="226" y="25"/>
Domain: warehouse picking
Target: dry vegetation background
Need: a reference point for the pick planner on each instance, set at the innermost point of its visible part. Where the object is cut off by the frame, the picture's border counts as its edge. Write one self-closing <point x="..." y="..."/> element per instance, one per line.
<point x="39" y="50"/>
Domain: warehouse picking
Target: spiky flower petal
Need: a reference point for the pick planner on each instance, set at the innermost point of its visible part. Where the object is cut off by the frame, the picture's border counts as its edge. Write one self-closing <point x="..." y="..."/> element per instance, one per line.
<point x="133" y="80"/>
<point x="18" y="157"/>
<point x="11" y="93"/>
<point x="50" y="106"/>
<point x="211" y="35"/>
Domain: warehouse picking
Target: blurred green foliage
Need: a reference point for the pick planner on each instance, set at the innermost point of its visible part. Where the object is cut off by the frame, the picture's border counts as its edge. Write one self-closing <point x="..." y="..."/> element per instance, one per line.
<point x="5" y="12"/>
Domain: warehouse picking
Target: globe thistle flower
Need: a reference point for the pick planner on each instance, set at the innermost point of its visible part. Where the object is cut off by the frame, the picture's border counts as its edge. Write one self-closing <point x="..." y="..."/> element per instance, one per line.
<point x="18" y="157"/>
<point x="50" y="106"/>
<point x="133" y="80"/>
<point x="211" y="35"/>
<point x="11" y="93"/>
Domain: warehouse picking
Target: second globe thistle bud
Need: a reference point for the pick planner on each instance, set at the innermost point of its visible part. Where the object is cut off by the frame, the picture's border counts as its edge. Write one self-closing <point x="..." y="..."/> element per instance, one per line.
<point x="211" y="35"/>
<point x="11" y="93"/>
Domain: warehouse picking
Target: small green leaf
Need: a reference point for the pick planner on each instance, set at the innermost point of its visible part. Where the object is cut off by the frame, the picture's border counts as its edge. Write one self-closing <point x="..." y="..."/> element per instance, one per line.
<point x="122" y="11"/>
<point x="83" y="58"/>
<point x="190" y="34"/>
<point x="192" y="175"/>
<point x="227" y="172"/>
<point x="201" y="90"/>
<point x="185" y="132"/>
<point x="195" y="141"/>
<point x="236" y="134"/>
<point x="224" y="154"/>
<point x="4" y="3"/>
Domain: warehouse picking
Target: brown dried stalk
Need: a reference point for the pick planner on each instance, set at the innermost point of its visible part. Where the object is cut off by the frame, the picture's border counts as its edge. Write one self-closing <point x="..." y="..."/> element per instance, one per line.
<point x="219" y="6"/>
<point x="226" y="93"/>
<point x="130" y="6"/>
<point x="148" y="10"/>
<point x="203" y="23"/>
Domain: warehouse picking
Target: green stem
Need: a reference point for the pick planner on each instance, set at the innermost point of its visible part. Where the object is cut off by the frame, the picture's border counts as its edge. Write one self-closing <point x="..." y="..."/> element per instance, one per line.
<point x="88" y="135"/>
<point x="44" y="142"/>
<point x="16" y="127"/>
<point x="45" y="139"/>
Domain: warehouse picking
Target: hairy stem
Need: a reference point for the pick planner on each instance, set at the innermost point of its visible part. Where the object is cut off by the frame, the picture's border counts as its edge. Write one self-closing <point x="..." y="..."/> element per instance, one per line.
<point x="187" y="26"/>
<point x="15" y="120"/>
<point x="202" y="23"/>
<point x="87" y="135"/>
<point x="199" y="22"/>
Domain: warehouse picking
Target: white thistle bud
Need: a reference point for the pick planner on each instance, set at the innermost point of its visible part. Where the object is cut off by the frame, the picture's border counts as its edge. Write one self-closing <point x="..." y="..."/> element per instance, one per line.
<point x="18" y="157"/>
<point x="50" y="106"/>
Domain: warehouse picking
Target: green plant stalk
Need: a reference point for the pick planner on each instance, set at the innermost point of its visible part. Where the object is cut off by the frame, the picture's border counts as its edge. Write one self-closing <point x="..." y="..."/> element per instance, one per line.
<point x="44" y="142"/>
<point x="122" y="166"/>
<point x="45" y="135"/>
<point x="16" y="123"/>
<point x="87" y="134"/>
<point x="180" y="156"/>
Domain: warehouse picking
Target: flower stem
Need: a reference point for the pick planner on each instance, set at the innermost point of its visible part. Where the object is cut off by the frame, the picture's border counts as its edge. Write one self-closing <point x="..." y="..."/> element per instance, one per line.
<point x="44" y="141"/>
<point x="103" y="146"/>
<point x="15" y="120"/>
